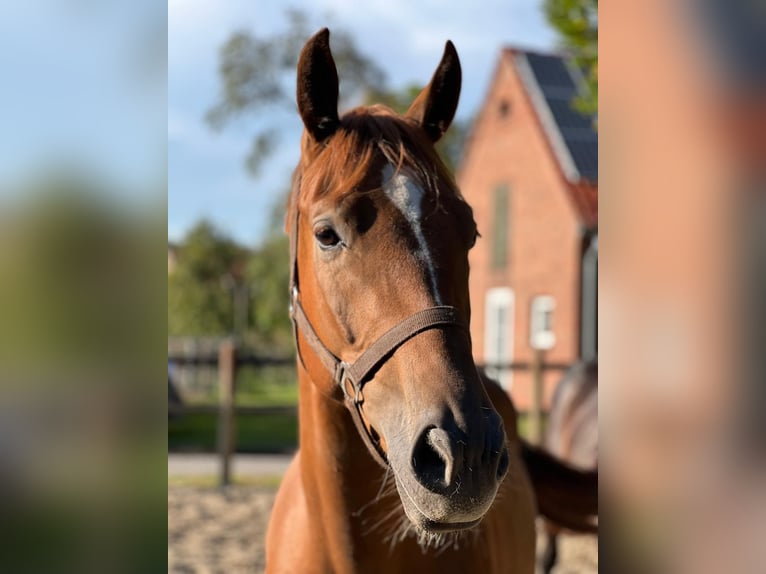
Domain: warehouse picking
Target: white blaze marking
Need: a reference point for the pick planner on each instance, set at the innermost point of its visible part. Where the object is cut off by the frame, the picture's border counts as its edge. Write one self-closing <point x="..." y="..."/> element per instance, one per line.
<point x="405" y="193"/>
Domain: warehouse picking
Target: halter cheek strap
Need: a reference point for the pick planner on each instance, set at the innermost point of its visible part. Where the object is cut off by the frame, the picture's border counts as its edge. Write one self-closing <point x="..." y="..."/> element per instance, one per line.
<point x="352" y="377"/>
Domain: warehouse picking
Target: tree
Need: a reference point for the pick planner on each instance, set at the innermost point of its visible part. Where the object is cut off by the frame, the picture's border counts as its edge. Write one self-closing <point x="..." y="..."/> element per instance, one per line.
<point x="258" y="74"/>
<point x="257" y="79"/>
<point x="268" y="275"/>
<point x="200" y="300"/>
<point x="577" y="24"/>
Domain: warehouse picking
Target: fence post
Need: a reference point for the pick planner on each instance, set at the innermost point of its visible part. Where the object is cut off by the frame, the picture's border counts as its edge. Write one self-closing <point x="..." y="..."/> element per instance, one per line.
<point x="227" y="371"/>
<point x="536" y="420"/>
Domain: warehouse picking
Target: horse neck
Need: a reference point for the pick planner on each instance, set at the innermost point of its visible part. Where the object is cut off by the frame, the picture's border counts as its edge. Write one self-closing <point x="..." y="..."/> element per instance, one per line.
<point x="340" y="478"/>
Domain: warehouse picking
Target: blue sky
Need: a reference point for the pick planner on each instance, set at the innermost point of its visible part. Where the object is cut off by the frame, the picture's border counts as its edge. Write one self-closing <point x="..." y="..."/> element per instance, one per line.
<point x="82" y="85"/>
<point x="206" y="175"/>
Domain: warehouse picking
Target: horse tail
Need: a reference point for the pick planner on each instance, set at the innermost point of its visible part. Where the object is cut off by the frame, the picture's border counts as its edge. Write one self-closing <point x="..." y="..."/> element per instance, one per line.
<point x="565" y="495"/>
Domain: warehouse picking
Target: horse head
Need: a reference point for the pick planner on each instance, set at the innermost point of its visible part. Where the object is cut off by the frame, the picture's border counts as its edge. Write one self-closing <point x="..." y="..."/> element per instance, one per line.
<point x="380" y="235"/>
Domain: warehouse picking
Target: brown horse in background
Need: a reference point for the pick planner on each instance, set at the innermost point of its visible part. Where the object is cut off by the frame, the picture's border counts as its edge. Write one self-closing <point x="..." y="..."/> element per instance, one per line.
<point x="572" y="436"/>
<point x="409" y="461"/>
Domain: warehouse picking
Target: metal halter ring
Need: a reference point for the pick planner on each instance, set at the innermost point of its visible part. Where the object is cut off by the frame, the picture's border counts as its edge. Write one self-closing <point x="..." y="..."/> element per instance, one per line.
<point x="351" y="390"/>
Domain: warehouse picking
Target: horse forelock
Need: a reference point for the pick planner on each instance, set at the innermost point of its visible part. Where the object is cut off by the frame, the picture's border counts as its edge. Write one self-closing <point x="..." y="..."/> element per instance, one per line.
<point x="368" y="138"/>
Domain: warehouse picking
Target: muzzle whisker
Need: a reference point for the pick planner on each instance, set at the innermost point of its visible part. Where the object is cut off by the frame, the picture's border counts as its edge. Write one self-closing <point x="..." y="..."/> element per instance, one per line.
<point x="384" y="519"/>
<point x="382" y="493"/>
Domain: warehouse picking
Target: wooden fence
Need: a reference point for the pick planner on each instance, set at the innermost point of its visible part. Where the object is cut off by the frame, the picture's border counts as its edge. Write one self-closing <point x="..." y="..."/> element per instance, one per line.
<point x="229" y="359"/>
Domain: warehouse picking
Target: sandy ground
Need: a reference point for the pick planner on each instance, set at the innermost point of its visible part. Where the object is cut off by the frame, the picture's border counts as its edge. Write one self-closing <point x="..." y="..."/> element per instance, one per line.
<point x="212" y="530"/>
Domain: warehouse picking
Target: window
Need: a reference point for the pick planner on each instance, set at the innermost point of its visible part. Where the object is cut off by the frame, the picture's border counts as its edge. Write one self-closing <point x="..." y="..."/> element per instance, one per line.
<point x="500" y="213"/>
<point x="541" y="335"/>
<point x="498" y="334"/>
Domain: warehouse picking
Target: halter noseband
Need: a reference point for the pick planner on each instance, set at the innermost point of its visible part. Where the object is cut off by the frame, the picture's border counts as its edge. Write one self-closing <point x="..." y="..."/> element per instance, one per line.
<point x="351" y="377"/>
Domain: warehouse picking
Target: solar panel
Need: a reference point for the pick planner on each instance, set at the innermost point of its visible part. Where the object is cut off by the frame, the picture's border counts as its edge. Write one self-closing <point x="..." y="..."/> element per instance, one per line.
<point x="559" y="89"/>
<point x="738" y="33"/>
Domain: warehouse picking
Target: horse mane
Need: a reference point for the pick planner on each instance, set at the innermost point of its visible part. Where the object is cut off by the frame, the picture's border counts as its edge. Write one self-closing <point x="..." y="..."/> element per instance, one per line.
<point x="365" y="133"/>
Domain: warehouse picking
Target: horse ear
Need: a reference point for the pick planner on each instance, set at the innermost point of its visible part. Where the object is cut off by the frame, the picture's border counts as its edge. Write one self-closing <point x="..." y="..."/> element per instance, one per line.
<point x="435" y="106"/>
<point x="317" y="92"/>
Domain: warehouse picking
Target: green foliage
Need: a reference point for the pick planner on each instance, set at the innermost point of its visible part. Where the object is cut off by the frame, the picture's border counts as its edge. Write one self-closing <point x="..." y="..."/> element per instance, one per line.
<point x="268" y="275"/>
<point x="577" y="23"/>
<point x="197" y="309"/>
<point x="212" y="277"/>
<point x="255" y="433"/>
<point x="200" y="298"/>
<point x="267" y="386"/>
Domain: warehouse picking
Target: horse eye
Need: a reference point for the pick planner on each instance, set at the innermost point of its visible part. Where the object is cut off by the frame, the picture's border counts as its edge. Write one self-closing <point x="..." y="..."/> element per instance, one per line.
<point x="327" y="237"/>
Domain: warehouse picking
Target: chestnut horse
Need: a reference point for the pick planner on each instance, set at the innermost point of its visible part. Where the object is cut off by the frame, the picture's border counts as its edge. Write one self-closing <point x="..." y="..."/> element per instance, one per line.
<point x="409" y="461"/>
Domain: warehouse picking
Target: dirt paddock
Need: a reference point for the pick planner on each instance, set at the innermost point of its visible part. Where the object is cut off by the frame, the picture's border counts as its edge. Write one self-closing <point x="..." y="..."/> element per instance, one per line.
<point x="223" y="531"/>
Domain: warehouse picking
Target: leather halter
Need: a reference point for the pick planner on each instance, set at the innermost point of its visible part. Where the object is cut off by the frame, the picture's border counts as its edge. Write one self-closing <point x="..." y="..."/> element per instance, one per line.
<point x="352" y="377"/>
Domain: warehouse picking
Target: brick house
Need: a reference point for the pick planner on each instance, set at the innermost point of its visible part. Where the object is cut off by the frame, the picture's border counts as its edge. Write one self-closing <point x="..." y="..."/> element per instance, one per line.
<point x="530" y="172"/>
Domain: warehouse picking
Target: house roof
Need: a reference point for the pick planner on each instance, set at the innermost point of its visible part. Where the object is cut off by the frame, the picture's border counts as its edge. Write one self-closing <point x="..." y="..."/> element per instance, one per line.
<point x="553" y="81"/>
<point x="585" y="198"/>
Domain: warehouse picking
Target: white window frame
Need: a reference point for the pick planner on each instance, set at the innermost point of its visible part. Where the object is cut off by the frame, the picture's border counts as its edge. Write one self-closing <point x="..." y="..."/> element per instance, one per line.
<point x="540" y="337"/>
<point x="496" y="299"/>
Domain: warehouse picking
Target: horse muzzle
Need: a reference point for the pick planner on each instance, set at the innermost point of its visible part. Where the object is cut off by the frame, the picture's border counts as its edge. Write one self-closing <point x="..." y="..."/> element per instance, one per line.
<point x="450" y="478"/>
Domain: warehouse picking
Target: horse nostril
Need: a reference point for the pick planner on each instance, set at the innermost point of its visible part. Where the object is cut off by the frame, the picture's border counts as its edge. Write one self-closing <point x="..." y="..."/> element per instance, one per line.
<point x="503" y="463"/>
<point x="435" y="459"/>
